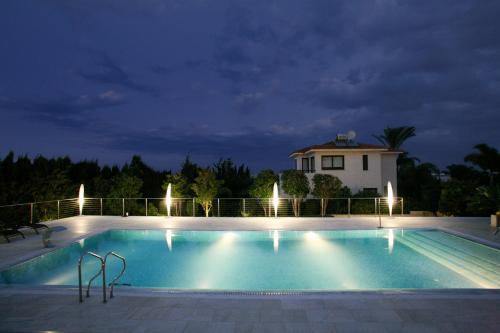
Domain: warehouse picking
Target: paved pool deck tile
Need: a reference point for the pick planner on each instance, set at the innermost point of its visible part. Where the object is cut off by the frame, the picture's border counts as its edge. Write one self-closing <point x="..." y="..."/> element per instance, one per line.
<point x="34" y="309"/>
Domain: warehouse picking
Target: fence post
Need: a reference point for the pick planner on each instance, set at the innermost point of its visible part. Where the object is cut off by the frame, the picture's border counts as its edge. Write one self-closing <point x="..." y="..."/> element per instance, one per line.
<point x="402" y="207"/>
<point x="218" y="207"/>
<point x="100" y="203"/>
<point x="349" y="207"/>
<point x="375" y="205"/>
<point x="193" y="209"/>
<point x="123" y="206"/>
<point x="244" y="206"/>
<point x="146" y="206"/>
<point x="58" y="209"/>
<point x="31" y="213"/>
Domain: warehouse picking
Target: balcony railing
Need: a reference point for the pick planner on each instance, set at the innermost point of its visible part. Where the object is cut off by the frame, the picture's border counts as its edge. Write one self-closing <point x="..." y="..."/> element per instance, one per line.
<point x="223" y="207"/>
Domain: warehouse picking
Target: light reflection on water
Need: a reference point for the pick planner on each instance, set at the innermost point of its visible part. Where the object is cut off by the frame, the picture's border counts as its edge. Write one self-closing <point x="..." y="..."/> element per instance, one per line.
<point x="274" y="260"/>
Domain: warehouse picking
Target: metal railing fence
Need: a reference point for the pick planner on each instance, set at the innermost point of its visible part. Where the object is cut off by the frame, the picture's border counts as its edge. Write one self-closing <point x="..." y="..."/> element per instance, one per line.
<point x="220" y="207"/>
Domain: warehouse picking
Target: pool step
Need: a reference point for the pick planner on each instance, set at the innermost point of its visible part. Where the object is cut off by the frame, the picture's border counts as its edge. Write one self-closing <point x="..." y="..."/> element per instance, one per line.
<point x="462" y="248"/>
<point x="465" y="264"/>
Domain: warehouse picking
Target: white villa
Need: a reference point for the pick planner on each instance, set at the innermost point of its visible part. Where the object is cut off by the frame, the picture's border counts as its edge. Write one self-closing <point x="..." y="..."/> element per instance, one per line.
<point x="358" y="165"/>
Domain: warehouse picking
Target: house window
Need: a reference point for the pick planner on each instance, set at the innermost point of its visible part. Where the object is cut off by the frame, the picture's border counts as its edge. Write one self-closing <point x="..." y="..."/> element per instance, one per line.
<point x="335" y="162"/>
<point x="365" y="162"/>
<point x="313" y="167"/>
<point x="305" y="164"/>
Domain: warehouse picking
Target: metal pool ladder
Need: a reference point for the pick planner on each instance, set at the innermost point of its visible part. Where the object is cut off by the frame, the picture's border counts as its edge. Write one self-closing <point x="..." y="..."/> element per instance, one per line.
<point x="102" y="271"/>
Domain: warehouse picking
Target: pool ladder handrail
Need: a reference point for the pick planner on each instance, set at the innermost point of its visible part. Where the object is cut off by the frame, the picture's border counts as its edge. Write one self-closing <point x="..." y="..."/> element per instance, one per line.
<point x="112" y="284"/>
<point x="101" y="271"/>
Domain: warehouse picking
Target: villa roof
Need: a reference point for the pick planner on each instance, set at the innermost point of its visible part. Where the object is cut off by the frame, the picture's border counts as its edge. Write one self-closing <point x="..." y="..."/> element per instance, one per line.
<point x="333" y="145"/>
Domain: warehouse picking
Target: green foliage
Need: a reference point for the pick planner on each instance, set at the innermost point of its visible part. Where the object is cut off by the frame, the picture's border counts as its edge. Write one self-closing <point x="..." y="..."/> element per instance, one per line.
<point x="487" y="159"/>
<point x="237" y="179"/>
<point x="189" y="171"/>
<point x="420" y="186"/>
<point x="325" y="186"/>
<point x="394" y="137"/>
<point x="151" y="179"/>
<point x="262" y="188"/>
<point x="485" y="200"/>
<point x="295" y="183"/>
<point x="362" y="203"/>
<point x="180" y="187"/>
<point x="206" y="186"/>
<point x="153" y="210"/>
<point x="454" y="197"/>
<point x="125" y="186"/>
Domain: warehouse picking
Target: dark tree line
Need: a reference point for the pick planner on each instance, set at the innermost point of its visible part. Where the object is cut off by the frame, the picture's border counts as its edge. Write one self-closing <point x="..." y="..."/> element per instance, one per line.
<point x="468" y="189"/>
<point x="472" y="188"/>
<point x="23" y="179"/>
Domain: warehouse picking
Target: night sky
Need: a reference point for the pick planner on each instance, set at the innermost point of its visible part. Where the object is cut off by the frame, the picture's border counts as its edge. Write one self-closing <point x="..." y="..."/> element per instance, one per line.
<point x="250" y="80"/>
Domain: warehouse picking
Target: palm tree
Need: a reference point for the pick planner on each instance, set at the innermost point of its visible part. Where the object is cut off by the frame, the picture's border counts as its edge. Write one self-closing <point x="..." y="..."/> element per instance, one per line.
<point x="394" y="137"/>
<point x="487" y="159"/>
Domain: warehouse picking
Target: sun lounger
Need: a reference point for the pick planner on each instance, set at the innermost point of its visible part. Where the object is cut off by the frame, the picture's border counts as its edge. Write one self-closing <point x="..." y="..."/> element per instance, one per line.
<point x="10" y="232"/>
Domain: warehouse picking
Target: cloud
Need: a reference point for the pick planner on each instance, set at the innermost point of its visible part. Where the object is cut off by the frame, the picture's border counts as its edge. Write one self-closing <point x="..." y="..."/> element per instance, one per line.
<point x="108" y="72"/>
<point x="127" y="7"/>
<point x="66" y="111"/>
<point x="248" y="102"/>
<point x="249" y="145"/>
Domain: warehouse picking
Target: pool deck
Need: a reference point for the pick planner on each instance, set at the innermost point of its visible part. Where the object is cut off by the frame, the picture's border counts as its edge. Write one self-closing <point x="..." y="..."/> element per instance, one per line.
<point x="57" y="309"/>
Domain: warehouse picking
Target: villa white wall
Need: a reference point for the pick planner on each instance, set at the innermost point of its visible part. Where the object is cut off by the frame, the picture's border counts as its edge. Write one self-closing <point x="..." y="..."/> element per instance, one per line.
<point x="381" y="168"/>
<point x="389" y="171"/>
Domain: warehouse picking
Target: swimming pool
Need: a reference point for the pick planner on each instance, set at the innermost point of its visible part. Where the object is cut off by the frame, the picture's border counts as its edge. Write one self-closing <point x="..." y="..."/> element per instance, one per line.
<point x="273" y="260"/>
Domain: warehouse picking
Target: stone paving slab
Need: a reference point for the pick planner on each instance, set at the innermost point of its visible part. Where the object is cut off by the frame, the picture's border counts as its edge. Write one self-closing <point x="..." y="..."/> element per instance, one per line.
<point x="38" y="309"/>
<point x="356" y="312"/>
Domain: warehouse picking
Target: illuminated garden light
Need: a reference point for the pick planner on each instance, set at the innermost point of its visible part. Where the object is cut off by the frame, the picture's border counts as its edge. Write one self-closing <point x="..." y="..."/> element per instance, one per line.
<point x="390" y="197"/>
<point x="168" y="198"/>
<point x="81" y="198"/>
<point x="276" y="199"/>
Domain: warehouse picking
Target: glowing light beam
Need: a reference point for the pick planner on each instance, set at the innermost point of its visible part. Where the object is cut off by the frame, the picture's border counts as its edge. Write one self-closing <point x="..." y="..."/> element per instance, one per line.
<point x="276" y="199"/>
<point x="390" y="197"/>
<point x="168" y="198"/>
<point x="81" y="198"/>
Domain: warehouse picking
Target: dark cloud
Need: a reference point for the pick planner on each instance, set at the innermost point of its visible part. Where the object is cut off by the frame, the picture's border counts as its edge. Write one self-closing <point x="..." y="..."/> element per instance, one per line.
<point x="248" y="102"/>
<point x="67" y="111"/>
<point x="161" y="70"/>
<point x="108" y="72"/>
<point x="199" y="142"/>
<point x="246" y="76"/>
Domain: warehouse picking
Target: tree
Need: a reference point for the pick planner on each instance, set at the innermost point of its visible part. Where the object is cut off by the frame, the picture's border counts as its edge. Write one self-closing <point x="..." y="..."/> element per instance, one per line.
<point x="466" y="173"/>
<point x="237" y="179"/>
<point x="295" y="183"/>
<point x="262" y="189"/>
<point x="325" y="186"/>
<point x="420" y="186"/>
<point x="394" y="137"/>
<point x="180" y="189"/>
<point x="206" y="186"/>
<point x="151" y="179"/>
<point x="487" y="159"/>
<point x="189" y="171"/>
<point x="485" y="201"/>
<point x="454" y="197"/>
<point x="125" y="186"/>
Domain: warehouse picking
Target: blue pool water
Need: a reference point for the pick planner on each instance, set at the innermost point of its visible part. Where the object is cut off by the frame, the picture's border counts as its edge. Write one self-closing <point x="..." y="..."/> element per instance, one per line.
<point x="276" y="260"/>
